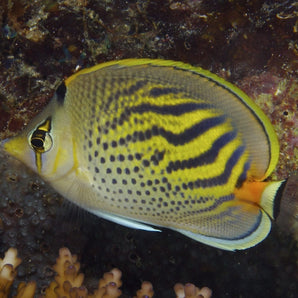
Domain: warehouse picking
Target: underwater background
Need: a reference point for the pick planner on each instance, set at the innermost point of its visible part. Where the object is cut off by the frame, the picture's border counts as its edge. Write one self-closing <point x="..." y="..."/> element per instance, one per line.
<point x="252" y="44"/>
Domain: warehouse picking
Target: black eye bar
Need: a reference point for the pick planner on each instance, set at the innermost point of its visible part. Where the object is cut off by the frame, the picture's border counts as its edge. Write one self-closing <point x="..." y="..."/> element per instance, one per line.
<point x="38" y="138"/>
<point x="39" y="135"/>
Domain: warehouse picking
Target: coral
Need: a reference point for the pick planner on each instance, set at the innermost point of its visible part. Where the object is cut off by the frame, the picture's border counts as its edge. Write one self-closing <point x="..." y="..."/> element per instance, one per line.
<point x="8" y="271"/>
<point x="68" y="276"/>
<point x="191" y="291"/>
<point x="146" y="290"/>
<point x="68" y="282"/>
<point x="26" y="290"/>
<point x="109" y="284"/>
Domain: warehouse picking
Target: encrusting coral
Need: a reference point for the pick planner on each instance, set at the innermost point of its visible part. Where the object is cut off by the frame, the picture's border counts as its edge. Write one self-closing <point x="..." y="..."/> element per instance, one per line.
<point x="68" y="282"/>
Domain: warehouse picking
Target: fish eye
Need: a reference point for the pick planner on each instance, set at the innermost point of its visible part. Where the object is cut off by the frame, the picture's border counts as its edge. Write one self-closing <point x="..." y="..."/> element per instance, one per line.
<point x="36" y="143"/>
<point x="40" y="139"/>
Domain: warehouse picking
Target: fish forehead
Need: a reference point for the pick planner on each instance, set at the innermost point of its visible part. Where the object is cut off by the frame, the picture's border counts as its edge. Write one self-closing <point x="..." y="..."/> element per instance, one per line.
<point x="151" y="147"/>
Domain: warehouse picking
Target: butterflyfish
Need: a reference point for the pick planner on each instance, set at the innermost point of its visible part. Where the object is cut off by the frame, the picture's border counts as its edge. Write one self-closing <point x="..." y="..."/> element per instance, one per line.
<point x="154" y="144"/>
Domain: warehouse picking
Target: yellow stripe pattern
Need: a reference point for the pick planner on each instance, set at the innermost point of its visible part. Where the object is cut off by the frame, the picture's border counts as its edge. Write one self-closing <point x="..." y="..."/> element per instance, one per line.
<point x="158" y="152"/>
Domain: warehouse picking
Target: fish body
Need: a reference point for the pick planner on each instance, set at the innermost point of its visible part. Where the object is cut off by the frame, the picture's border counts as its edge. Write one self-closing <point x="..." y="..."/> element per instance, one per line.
<point x="155" y="143"/>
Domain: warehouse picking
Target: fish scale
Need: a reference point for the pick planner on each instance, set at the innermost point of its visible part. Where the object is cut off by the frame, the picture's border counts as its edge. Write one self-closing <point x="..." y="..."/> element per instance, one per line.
<point x="158" y="143"/>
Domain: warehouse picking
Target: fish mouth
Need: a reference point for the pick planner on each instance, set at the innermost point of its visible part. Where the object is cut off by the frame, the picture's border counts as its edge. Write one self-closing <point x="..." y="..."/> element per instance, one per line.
<point x="4" y="154"/>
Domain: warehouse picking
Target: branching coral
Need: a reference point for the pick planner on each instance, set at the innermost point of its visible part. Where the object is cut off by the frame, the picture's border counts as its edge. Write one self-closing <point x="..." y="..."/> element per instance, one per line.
<point x="191" y="291"/>
<point x="109" y="285"/>
<point x="68" y="277"/>
<point x="8" y="271"/>
<point x="68" y="282"/>
<point x="145" y="291"/>
<point x="26" y="290"/>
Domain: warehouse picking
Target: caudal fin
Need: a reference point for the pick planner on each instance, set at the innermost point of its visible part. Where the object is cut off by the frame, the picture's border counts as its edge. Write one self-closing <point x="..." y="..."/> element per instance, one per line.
<point x="271" y="197"/>
<point x="287" y="213"/>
